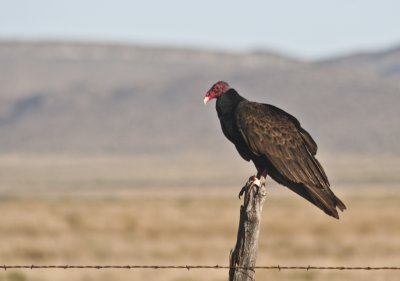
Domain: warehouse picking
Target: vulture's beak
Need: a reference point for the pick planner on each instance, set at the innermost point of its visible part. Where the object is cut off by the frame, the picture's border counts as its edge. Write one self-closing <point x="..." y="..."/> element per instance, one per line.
<point x="206" y="99"/>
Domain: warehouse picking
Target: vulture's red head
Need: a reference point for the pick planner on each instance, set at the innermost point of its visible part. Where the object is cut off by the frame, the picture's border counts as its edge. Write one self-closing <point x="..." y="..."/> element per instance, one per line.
<point x="216" y="91"/>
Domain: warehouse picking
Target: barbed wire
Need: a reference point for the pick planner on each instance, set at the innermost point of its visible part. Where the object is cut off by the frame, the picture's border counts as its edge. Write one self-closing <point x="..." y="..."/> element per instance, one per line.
<point x="189" y="267"/>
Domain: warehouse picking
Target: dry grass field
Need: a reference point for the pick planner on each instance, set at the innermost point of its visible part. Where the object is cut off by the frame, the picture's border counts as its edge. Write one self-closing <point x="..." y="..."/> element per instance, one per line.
<point x="183" y="225"/>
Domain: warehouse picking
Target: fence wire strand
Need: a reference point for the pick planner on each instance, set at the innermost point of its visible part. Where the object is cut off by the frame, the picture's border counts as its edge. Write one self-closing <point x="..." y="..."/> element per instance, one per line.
<point x="189" y="267"/>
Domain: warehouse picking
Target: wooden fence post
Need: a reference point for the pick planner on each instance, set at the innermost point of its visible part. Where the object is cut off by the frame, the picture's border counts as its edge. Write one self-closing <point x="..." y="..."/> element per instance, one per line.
<point x="243" y="258"/>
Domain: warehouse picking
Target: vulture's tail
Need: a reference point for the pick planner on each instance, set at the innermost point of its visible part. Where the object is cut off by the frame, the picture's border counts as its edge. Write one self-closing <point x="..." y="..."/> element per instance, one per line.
<point x="324" y="199"/>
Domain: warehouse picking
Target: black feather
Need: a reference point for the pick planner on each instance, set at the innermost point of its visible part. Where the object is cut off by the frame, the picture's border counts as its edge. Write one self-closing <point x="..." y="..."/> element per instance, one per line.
<point x="274" y="140"/>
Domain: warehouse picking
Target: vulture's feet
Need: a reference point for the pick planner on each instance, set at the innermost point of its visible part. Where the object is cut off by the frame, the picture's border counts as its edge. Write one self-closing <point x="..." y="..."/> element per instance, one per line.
<point x="251" y="183"/>
<point x="262" y="181"/>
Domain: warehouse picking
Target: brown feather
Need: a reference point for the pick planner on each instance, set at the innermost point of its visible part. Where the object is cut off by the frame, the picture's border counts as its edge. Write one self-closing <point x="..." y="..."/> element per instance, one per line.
<point x="290" y="149"/>
<point x="274" y="140"/>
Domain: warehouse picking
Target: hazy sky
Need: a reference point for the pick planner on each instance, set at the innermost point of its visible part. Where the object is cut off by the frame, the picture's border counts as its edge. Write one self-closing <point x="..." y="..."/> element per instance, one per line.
<point x="306" y="28"/>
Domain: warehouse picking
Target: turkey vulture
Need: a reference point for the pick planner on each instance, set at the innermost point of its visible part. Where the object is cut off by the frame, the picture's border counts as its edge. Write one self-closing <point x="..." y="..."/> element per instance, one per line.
<point x="276" y="143"/>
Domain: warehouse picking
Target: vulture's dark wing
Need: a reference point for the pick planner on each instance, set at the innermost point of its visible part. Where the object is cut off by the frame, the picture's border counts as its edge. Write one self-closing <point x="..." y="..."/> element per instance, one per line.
<point x="276" y="135"/>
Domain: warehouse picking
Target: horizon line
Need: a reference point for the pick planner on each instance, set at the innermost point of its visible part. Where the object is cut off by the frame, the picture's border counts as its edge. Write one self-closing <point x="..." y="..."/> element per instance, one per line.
<point x="200" y="47"/>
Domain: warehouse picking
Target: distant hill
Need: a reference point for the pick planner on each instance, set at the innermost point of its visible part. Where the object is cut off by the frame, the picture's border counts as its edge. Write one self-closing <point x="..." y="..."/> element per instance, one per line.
<point x="126" y="99"/>
<point x="385" y="64"/>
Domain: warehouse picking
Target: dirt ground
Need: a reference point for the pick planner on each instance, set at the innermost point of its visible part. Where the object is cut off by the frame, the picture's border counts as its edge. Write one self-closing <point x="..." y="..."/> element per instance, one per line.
<point x="194" y="227"/>
<point x="184" y="226"/>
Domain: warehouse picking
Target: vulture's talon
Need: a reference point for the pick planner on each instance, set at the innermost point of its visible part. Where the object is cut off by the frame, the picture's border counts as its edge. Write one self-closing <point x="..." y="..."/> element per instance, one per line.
<point x="252" y="181"/>
<point x="242" y="191"/>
